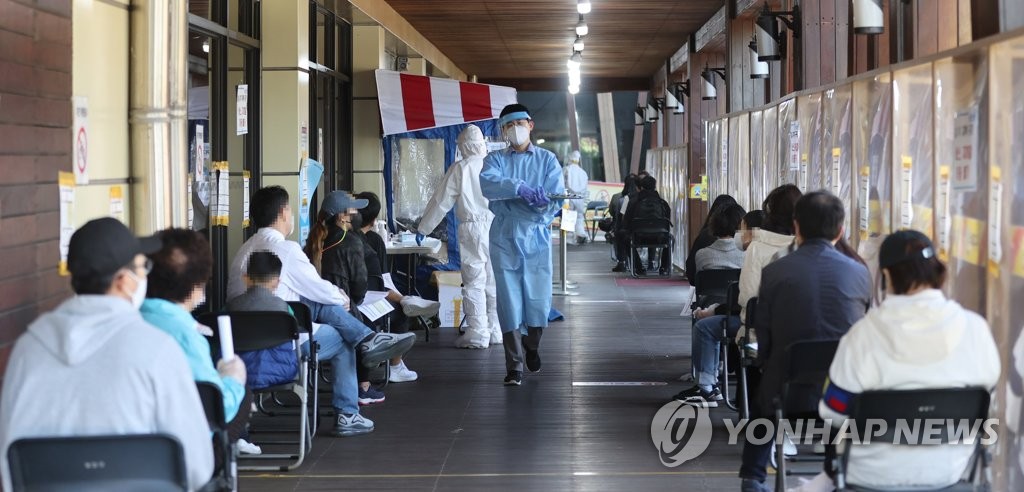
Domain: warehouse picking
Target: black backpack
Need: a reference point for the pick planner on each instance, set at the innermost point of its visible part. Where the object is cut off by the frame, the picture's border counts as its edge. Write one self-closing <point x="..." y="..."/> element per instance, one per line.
<point x="652" y="207"/>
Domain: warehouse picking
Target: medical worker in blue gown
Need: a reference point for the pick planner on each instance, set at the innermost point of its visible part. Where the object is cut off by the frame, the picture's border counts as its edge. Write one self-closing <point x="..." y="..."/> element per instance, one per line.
<point x="517" y="181"/>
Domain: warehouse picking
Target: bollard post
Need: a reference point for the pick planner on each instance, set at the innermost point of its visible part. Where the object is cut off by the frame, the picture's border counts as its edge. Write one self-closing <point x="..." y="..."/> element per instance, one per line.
<point x="562" y="289"/>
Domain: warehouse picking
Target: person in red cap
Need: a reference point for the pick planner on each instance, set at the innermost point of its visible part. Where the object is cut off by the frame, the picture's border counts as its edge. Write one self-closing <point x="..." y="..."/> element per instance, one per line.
<point x="93" y="366"/>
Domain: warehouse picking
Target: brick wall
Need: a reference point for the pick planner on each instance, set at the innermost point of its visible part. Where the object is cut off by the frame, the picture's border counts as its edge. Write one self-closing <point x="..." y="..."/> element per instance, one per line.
<point x="35" y="143"/>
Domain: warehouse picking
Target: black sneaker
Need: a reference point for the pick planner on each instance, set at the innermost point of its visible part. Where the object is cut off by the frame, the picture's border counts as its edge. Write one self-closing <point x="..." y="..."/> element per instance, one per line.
<point x="697" y="397"/>
<point x="532" y="358"/>
<point x="619" y="267"/>
<point x="380" y="347"/>
<point x="514" y="378"/>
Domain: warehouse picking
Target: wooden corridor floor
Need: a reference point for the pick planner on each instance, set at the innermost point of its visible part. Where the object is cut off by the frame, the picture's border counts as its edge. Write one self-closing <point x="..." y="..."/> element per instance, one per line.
<point x="459" y="428"/>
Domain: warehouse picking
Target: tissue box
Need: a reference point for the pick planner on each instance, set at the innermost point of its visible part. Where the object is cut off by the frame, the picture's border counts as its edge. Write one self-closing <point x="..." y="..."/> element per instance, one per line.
<point x="449" y="294"/>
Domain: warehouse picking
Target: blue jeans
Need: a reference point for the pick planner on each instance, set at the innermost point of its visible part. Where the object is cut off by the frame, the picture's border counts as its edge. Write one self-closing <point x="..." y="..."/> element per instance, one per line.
<point x="337" y="339"/>
<point x="707" y="335"/>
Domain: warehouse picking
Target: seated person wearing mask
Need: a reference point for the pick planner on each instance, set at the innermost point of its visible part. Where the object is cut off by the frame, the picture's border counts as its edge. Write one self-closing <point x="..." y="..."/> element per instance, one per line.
<point x="832" y="292"/>
<point x="647" y="204"/>
<point x="725" y="252"/>
<point x="177" y="285"/>
<point x="915" y="339"/>
<point x="94" y="367"/>
<point x="340" y="336"/>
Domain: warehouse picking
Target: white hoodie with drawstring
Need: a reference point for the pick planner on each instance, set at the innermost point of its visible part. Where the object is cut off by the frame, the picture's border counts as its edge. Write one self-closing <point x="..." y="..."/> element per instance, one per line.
<point x="93" y="366"/>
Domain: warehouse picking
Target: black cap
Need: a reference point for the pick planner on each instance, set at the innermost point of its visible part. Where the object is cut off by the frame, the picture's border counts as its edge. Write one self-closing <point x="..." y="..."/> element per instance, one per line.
<point x="340" y="201"/>
<point x="904" y="245"/>
<point x="104" y="246"/>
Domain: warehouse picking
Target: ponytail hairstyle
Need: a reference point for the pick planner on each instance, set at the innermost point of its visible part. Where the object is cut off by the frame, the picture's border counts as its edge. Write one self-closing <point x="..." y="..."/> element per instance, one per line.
<point x="315" y="242"/>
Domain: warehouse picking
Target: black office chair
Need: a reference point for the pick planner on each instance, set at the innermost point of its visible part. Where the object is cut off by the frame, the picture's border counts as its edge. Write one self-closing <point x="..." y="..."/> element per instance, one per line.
<point x="152" y="462"/>
<point x="654" y="233"/>
<point x="802" y="383"/>
<point x="224" y="477"/>
<point x="259" y="330"/>
<point x="945" y="404"/>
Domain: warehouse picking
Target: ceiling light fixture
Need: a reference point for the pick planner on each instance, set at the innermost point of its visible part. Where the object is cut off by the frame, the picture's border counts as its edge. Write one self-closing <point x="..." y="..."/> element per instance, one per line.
<point x="758" y="69"/>
<point x="868" y="17"/>
<point x="574" y="89"/>
<point x="575" y="61"/>
<point x="583" y="6"/>
<point x="708" y="79"/>
<point x="581" y="27"/>
<point x="206" y="46"/>
<point x="769" y="39"/>
<point x="578" y="44"/>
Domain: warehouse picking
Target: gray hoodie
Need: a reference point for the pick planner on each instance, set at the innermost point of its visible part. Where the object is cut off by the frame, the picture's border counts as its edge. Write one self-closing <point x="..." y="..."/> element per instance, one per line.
<point x="93" y="366"/>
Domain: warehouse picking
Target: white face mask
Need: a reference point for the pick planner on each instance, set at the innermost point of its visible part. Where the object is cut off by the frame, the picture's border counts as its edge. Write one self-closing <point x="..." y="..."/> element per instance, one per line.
<point x="140" y="291"/>
<point x="291" y="225"/>
<point x="517" y="135"/>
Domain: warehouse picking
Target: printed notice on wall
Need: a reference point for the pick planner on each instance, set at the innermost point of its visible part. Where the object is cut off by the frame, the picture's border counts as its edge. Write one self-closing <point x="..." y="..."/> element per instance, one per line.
<point x="245" y="198"/>
<point x="803" y="177"/>
<point x="907" y="192"/>
<point x="200" y="156"/>
<point x="725" y="157"/>
<point x="221" y="205"/>
<point x="995" y="221"/>
<point x="794" y="146"/>
<point x="304" y="195"/>
<point x="188" y="193"/>
<point x="320" y="144"/>
<point x="81" y="139"/>
<point x="242" y="110"/>
<point x="117" y="202"/>
<point x="66" y="187"/>
<point x="965" y="148"/>
<point x="944" y="221"/>
<point x="865" y="201"/>
<point x="836" y="179"/>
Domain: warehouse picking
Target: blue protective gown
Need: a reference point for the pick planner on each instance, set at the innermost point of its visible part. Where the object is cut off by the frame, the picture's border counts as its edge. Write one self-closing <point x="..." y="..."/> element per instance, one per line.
<point x="520" y="234"/>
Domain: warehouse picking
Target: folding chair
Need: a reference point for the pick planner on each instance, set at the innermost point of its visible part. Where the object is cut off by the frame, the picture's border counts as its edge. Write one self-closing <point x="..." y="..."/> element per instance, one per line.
<point x="259" y="330"/>
<point x="596" y="210"/>
<point x="151" y="462"/>
<point x="732" y="304"/>
<point x="649" y="233"/>
<point x="710" y="288"/>
<point x="225" y="477"/>
<point x="891" y="407"/>
<point x="748" y="359"/>
<point x="802" y="383"/>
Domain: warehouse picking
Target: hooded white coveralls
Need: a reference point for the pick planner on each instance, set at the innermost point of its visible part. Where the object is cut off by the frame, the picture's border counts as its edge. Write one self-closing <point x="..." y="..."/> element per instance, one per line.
<point x="461" y="188"/>
<point x="576" y="181"/>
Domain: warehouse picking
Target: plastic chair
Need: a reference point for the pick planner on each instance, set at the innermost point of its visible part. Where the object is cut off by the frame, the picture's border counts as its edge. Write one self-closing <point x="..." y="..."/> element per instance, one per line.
<point x="802" y="383"/>
<point x="226" y="477"/>
<point x="151" y="462"/>
<point x="891" y="407"/>
<point x="649" y="233"/>
<point x="258" y="330"/>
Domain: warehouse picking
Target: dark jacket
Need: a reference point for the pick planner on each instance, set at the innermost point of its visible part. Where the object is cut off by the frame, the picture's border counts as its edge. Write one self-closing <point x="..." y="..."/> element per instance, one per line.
<point x="814" y="293"/>
<point x="375" y="254"/>
<point x="273" y="366"/>
<point x="647" y="204"/>
<point x="343" y="263"/>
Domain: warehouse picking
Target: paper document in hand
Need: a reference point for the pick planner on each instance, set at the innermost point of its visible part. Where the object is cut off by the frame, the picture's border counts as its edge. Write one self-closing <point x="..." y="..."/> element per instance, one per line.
<point x="375" y="305"/>
<point x="389" y="283"/>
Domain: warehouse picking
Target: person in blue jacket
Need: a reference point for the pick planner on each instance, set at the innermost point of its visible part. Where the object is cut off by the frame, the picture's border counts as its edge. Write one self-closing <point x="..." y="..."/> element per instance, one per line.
<point x="517" y="180"/>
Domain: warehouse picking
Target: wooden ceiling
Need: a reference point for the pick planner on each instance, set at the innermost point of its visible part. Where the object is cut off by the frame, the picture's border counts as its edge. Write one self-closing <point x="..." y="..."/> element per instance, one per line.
<point x="532" y="39"/>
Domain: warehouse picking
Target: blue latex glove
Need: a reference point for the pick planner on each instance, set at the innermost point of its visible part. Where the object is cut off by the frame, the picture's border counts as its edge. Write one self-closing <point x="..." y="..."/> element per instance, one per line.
<point x="419" y="239"/>
<point x="541" y="200"/>
<point x="526" y="193"/>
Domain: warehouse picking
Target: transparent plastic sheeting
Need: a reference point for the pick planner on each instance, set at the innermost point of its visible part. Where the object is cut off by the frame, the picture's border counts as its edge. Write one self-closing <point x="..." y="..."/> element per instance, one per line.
<point x="912" y="157"/>
<point x="1006" y="312"/>
<point x="419" y="168"/>
<point x="872" y="116"/>
<point x="668" y="166"/>
<point x="960" y="108"/>
<point x="789" y="154"/>
<point x="757" y="160"/>
<point x="711" y="162"/>
<point x="721" y="164"/>
<point x="837" y="148"/>
<point x="771" y="149"/>
<point x="741" y="161"/>
<point x="808" y="110"/>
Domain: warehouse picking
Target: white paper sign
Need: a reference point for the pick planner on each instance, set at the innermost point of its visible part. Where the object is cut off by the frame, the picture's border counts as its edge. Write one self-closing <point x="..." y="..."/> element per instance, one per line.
<point x="117" y="203"/>
<point x="965" y="146"/>
<point x="303" y="200"/>
<point x="242" y="110"/>
<point x="304" y="139"/>
<point x="81" y="140"/>
<point x="568" y="222"/>
<point x="188" y="193"/>
<point x="794" y="146"/>
<point x="837" y="182"/>
<point x="907" y="192"/>
<point x="320" y="145"/>
<point x="200" y="147"/>
<point x="995" y="220"/>
<point x="865" y="201"/>
<point x="944" y="222"/>
<point x="66" y="189"/>
<point x="725" y="157"/>
<point x="227" y="340"/>
<point x="804" y="173"/>
<point x="245" y="198"/>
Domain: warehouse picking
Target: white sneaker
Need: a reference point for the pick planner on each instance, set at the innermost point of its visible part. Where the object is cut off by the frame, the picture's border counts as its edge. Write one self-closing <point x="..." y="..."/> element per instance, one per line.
<point x="819" y="448"/>
<point x="788" y="448"/>
<point x="820" y="483"/>
<point x="402" y="374"/>
<point x="415" y="306"/>
<point x="246" y="447"/>
<point x="496" y="336"/>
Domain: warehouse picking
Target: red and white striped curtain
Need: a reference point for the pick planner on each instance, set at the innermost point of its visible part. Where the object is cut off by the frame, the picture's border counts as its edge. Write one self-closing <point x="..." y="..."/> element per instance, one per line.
<point x="415" y="102"/>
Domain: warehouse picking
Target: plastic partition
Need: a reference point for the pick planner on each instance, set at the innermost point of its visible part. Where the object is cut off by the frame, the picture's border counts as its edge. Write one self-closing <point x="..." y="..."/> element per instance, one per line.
<point x="837" y="149"/>
<point x="912" y="156"/>
<point x="721" y="165"/>
<point x="714" y="146"/>
<point x="419" y="167"/>
<point x="961" y="107"/>
<point x="872" y="116"/>
<point x="772" y="151"/>
<point x="789" y="155"/>
<point x="1006" y="279"/>
<point x="758" y="160"/>
<point x="739" y="159"/>
<point x="808" y="110"/>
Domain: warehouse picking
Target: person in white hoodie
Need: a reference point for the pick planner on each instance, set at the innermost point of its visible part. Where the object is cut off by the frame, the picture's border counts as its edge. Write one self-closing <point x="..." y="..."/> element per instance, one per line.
<point x="460" y="188"/>
<point x="576" y="181"/>
<point x="94" y="367"/>
<point x="915" y="339"/>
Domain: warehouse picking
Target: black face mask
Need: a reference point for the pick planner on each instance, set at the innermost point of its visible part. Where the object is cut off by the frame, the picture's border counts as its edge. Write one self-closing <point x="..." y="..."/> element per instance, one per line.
<point x="357" y="221"/>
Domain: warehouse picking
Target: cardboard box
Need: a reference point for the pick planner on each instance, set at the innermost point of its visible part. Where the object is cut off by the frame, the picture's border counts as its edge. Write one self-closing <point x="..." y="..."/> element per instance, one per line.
<point x="449" y="294"/>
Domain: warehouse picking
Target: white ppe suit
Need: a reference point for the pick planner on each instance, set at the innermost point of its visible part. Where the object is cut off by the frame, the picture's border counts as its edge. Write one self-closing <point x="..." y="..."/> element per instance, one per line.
<point x="576" y="181"/>
<point x="461" y="188"/>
